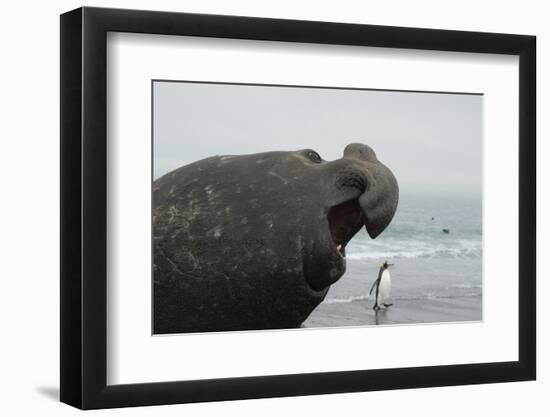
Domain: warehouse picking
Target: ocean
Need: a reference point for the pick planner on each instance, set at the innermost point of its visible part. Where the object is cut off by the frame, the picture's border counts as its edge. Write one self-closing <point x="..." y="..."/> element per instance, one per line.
<point x="436" y="277"/>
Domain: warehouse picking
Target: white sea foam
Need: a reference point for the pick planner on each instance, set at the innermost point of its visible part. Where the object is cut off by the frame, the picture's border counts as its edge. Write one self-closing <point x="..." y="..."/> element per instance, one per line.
<point x="467" y="286"/>
<point x="346" y="299"/>
<point x="414" y="249"/>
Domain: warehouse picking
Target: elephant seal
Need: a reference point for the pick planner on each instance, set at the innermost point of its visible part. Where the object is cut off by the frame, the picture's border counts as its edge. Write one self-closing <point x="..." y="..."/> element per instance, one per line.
<point x="255" y="241"/>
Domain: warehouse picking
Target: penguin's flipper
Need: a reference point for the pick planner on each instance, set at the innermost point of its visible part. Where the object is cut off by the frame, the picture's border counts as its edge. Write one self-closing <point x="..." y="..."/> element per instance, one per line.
<point x="374" y="284"/>
<point x="387" y="305"/>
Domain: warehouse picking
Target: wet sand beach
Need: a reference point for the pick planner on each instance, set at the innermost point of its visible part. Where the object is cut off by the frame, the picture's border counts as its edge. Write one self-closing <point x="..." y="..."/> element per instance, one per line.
<point x="360" y="312"/>
<point x="424" y="290"/>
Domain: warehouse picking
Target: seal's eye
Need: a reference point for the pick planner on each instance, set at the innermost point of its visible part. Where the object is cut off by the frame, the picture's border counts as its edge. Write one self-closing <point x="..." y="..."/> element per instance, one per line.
<point x="314" y="156"/>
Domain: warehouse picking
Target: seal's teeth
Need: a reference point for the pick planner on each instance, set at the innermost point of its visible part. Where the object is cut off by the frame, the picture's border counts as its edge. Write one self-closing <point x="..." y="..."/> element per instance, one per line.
<point x="339" y="248"/>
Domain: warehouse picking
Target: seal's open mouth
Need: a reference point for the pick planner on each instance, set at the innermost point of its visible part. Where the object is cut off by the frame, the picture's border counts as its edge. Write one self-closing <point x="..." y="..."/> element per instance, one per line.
<point x="345" y="220"/>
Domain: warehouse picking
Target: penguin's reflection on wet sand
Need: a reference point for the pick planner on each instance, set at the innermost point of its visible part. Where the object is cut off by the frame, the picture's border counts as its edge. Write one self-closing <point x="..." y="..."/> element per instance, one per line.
<point x="376" y="320"/>
<point x="379" y="316"/>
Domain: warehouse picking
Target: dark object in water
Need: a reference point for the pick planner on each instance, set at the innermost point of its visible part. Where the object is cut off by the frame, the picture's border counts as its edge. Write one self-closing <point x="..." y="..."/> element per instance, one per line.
<point x="433" y="218"/>
<point x="446" y="231"/>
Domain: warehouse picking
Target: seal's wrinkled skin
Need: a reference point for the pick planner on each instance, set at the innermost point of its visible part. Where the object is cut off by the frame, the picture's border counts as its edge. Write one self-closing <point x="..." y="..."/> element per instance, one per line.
<point x="255" y="241"/>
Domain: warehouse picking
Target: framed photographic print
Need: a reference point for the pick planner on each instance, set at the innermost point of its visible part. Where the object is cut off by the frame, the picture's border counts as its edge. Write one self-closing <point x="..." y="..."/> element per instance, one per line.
<point x="257" y="207"/>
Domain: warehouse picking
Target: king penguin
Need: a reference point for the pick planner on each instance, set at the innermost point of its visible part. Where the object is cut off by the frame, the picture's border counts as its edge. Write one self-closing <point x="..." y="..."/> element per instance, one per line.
<point x="383" y="287"/>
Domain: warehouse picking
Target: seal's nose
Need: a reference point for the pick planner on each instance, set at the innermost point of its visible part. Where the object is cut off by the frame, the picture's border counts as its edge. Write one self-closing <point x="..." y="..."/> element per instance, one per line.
<point x="360" y="151"/>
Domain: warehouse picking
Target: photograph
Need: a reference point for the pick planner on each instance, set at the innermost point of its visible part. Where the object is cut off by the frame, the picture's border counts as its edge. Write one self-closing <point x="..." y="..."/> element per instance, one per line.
<point x="302" y="207"/>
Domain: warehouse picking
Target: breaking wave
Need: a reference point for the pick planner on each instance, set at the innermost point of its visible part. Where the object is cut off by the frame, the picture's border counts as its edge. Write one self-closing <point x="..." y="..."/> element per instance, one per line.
<point x="415" y="249"/>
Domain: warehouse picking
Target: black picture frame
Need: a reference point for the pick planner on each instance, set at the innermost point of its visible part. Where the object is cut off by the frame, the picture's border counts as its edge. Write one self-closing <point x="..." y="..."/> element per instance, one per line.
<point x="84" y="207"/>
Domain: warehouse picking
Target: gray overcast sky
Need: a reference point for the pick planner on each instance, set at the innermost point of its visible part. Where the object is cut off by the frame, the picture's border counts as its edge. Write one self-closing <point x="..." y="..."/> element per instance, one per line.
<point x="429" y="141"/>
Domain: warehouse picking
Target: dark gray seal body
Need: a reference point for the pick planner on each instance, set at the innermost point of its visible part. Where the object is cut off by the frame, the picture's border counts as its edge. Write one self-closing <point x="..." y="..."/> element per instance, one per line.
<point x="255" y="241"/>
